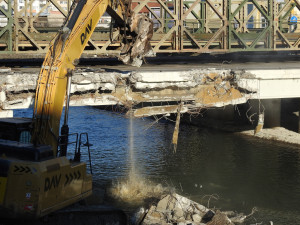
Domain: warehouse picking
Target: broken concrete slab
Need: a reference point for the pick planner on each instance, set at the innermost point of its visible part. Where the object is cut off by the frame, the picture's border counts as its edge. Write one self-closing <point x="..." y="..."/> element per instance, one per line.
<point x="196" y="88"/>
<point x="156" y="77"/>
<point x="18" y="102"/>
<point x="176" y="209"/>
<point x="196" y="218"/>
<point x="165" y="203"/>
<point x="158" y="110"/>
<point x="201" y="88"/>
<point x="6" y="113"/>
<point x="2" y="96"/>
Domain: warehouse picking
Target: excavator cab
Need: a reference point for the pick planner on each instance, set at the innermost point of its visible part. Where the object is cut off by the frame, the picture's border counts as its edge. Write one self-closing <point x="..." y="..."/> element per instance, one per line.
<point x="33" y="181"/>
<point x="15" y="129"/>
<point x="15" y="141"/>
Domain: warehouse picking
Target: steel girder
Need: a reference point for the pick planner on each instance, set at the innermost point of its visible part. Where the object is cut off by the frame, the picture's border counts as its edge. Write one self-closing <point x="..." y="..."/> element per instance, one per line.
<point x="194" y="26"/>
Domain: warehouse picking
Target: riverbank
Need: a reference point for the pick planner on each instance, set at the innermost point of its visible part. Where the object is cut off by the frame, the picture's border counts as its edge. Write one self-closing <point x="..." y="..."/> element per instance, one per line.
<point x="279" y="134"/>
<point x="286" y="133"/>
<point x="276" y="134"/>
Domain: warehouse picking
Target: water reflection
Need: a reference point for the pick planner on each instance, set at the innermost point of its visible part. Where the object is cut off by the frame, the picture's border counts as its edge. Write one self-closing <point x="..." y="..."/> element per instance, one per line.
<point x="243" y="171"/>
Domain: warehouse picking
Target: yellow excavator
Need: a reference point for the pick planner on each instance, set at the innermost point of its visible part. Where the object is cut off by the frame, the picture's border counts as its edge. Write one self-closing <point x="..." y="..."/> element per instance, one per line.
<point x="36" y="177"/>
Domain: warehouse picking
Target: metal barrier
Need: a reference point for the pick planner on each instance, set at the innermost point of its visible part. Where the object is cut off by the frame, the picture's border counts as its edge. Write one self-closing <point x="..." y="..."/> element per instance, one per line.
<point x="78" y="145"/>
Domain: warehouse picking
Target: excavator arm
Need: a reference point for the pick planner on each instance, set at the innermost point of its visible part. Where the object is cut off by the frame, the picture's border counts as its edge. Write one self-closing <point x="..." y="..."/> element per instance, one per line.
<point x="65" y="51"/>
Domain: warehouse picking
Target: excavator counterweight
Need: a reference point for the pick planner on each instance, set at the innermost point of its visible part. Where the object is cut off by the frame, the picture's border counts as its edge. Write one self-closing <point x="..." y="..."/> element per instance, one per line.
<point x="36" y="177"/>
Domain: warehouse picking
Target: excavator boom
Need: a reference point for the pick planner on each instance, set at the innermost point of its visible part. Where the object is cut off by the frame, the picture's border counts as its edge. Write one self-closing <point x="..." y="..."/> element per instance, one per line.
<point x="65" y="51"/>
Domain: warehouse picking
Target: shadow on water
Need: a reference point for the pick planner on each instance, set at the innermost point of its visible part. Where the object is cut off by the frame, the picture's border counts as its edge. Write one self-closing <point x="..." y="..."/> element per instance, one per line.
<point x="244" y="172"/>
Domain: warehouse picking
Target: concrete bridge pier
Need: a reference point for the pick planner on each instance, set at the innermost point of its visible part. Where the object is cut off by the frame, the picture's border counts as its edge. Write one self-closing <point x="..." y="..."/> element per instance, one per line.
<point x="223" y="113"/>
<point x="272" y="112"/>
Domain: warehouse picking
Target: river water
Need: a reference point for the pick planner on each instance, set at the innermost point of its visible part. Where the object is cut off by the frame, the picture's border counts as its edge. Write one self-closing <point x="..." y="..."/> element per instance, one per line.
<point x="225" y="170"/>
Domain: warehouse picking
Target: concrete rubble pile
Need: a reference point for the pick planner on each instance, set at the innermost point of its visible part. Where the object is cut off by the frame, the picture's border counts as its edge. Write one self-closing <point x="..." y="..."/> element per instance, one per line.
<point x="176" y="209"/>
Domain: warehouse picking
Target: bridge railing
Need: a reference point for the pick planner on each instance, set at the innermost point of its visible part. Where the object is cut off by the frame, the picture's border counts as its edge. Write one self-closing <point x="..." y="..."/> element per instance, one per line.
<point x="195" y="26"/>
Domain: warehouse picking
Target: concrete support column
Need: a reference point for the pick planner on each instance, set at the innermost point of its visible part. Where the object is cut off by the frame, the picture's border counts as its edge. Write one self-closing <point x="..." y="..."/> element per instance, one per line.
<point x="272" y="112"/>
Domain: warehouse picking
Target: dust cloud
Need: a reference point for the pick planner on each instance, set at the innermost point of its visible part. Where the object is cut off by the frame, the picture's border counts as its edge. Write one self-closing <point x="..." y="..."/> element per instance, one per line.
<point x="134" y="189"/>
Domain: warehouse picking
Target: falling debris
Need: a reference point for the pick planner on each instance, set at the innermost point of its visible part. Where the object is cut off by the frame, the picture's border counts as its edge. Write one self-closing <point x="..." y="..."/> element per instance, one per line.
<point x="139" y="47"/>
<point x="260" y="124"/>
<point x="176" y="129"/>
<point x="135" y="190"/>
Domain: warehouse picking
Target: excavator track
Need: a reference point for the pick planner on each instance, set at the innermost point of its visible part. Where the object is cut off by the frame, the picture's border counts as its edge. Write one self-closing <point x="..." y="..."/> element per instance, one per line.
<point x="79" y="215"/>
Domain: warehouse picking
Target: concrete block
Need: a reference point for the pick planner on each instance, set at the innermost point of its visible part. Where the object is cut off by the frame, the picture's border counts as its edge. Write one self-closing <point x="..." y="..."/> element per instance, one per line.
<point x="104" y="100"/>
<point x="159" y="77"/>
<point x="2" y="96"/>
<point x="82" y="87"/>
<point x="6" y="113"/>
<point x="196" y="218"/>
<point x="19" y="103"/>
<point x="163" y="85"/>
<point x="272" y="112"/>
<point x="167" y="203"/>
<point x="251" y="85"/>
<point x="156" y="215"/>
<point x="85" y="82"/>
<point x="178" y="213"/>
<point x="108" y="86"/>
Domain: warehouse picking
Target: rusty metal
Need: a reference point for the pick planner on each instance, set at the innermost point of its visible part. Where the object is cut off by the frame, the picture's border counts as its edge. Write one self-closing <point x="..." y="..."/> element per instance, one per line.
<point x="193" y="26"/>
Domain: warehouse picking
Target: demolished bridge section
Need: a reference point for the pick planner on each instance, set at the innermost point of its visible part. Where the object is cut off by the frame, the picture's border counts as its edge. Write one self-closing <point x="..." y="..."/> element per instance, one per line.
<point x="153" y="91"/>
<point x="159" y="91"/>
<point x="270" y="94"/>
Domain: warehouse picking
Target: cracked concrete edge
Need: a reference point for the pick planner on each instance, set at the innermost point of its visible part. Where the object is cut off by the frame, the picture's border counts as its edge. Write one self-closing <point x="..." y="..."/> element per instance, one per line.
<point x="149" y="86"/>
